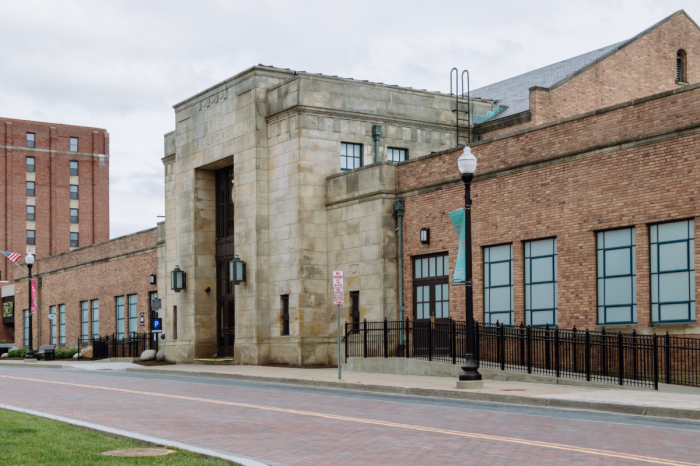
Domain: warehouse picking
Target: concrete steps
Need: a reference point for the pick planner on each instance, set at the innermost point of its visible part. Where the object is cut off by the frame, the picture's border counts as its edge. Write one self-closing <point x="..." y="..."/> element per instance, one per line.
<point x="214" y="361"/>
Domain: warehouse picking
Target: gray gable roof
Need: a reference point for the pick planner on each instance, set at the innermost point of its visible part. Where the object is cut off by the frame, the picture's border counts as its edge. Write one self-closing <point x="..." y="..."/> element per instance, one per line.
<point x="514" y="93"/>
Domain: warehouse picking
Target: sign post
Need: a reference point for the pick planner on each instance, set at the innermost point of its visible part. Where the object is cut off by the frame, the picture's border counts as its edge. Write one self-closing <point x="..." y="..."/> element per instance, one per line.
<point x="338" y="299"/>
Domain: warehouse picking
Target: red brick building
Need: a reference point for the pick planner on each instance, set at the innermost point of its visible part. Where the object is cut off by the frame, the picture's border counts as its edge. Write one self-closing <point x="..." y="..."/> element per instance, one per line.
<point x="95" y="290"/>
<point x="585" y="217"/>
<point x="54" y="188"/>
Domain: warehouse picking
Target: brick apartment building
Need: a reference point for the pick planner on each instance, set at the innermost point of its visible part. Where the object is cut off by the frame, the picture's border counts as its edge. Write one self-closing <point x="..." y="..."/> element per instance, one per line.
<point x="96" y="290"/>
<point x="54" y="191"/>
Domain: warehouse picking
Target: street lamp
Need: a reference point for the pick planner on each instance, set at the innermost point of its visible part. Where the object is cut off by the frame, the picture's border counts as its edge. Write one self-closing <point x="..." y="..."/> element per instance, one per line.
<point x="29" y="260"/>
<point x="467" y="167"/>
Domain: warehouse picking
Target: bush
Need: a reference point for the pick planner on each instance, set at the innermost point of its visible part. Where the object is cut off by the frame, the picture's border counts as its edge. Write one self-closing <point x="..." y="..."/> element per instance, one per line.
<point x="18" y="353"/>
<point x="65" y="354"/>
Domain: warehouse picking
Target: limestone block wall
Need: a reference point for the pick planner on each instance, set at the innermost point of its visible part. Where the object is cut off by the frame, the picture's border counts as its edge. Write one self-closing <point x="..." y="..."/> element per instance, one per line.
<point x="363" y="242"/>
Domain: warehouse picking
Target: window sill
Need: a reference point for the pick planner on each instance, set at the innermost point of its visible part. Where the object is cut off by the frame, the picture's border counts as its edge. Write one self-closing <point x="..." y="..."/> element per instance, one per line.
<point x="615" y="327"/>
<point x="681" y="83"/>
<point x="672" y="324"/>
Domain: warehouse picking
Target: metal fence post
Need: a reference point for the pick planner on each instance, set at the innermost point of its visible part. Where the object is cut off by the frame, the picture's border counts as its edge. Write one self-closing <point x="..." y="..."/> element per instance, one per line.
<point x="656" y="362"/>
<point x="587" y="355"/>
<point x="503" y="347"/>
<point x="667" y="358"/>
<point x="522" y="344"/>
<point x="347" y="339"/>
<point x="405" y="340"/>
<point x="634" y="354"/>
<point x="430" y="341"/>
<point x="453" y="332"/>
<point x="364" y="336"/>
<point x="386" y="339"/>
<point x="574" y="338"/>
<point x="547" y="355"/>
<point x="620" y="356"/>
<point x="556" y="350"/>
<point x="529" y="349"/>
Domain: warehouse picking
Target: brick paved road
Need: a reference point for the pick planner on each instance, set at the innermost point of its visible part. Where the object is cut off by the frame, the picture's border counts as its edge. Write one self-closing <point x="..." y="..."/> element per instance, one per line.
<point x="302" y="426"/>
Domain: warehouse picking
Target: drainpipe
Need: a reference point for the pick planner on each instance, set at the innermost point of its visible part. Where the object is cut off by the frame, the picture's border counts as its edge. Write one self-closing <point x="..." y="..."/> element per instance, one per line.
<point x="376" y="134"/>
<point x="399" y="210"/>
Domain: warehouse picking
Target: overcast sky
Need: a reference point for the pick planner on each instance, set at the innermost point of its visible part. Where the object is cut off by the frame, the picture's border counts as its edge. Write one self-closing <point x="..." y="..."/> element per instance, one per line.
<point x="121" y="65"/>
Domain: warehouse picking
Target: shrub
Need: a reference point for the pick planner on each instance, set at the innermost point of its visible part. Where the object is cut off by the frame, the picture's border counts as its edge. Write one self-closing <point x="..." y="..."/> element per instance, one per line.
<point x="65" y="354"/>
<point x="18" y="353"/>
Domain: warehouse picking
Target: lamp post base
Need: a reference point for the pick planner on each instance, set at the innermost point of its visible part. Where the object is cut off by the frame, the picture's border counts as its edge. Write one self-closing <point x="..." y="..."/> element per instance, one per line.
<point x="470" y="370"/>
<point x="32" y="359"/>
<point x="470" y="384"/>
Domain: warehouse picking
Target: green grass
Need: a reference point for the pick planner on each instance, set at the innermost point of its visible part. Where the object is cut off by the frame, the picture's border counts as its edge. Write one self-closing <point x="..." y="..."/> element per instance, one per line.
<point x="36" y="441"/>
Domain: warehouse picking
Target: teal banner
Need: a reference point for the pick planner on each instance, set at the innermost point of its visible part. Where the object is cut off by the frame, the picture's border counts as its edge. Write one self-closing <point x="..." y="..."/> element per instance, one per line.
<point x="458" y="221"/>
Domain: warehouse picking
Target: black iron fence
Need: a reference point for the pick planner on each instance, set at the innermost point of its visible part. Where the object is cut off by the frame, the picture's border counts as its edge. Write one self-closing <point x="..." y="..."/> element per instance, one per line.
<point x="109" y="346"/>
<point x="624" y="359"/>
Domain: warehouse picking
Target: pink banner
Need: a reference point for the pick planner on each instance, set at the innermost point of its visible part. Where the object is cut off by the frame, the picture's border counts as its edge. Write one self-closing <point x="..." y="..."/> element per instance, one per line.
<point x="32" y="286"/>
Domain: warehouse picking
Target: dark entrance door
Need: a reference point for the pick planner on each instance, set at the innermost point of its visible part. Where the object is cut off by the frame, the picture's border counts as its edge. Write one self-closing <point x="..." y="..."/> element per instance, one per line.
<point x="225" y="290"/>
<point x="431" y="304"/>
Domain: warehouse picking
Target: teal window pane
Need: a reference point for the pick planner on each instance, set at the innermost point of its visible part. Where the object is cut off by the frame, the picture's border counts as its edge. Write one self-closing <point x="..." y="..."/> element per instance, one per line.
<point x="618" y="262"/>
<point x="543" y="296"/>
<point x="543" y="247"/>
<point x="500" y="253"/>
<point x="431" y="262"/>
<point x="675" y="312"/>
<point x="440" y="271"/>
<point x="673" y="231"/>
<point x="424" y="265"/>
<point x="542" y="269"/>
<point x="499" y="299"/>
<point x="618" y="314"/>
<point x="618" y="238"/>
<point x="674" y="287"/>
<point x="618" y="291"/>
<point x="673" y="256"/>
<point x="500" y="274"/>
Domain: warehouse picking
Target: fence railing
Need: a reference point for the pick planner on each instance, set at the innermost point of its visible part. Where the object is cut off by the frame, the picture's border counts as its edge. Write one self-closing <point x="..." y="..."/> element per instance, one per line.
<point x="109" y="346"/>
<point x="624" y="359"/>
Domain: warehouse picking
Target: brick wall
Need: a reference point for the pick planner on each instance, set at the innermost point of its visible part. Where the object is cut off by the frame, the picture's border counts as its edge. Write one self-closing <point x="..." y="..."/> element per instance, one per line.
<point x="52" y="180"/>
<point x="600" y="185"/>
<point x="119" y="267"/>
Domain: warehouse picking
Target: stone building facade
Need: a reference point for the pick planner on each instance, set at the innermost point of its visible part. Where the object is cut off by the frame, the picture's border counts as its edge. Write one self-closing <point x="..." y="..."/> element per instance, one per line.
<point x="90" y="289"/>
<point x="256" y="167"/>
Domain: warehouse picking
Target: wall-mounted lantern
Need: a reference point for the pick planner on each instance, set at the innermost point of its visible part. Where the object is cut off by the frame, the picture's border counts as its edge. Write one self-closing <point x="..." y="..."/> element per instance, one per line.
<point x="425" y="235"/>
<point x="177" y="279"/>
<point x="237" y="270"/>
<point x="152" y="279"/>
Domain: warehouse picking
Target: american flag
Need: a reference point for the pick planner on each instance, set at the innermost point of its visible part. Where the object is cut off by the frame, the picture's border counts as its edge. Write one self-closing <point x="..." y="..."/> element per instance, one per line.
<point x="13" y="256"/>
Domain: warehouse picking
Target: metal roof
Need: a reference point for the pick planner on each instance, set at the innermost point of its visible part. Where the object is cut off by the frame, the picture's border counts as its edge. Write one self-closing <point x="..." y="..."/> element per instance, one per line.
<point x="514" y="93"/>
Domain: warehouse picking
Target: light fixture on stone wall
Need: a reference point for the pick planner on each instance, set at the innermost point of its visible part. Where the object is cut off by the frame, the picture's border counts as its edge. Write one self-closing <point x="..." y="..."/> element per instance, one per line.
<point x="425" y="235"/>
<point x="237" y="270"/>
<point x="152" y="279"/>
<point x="177" y="279"/>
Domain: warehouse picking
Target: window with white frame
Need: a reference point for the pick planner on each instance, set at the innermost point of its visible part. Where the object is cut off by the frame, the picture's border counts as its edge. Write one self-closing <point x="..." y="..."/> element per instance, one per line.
<point x="541" y="282"/>
<point x="52" y="312"/>
<point x="395" y="154"/>
<point x="350" y="156"/>
<point x="617" y="277"/>
<point x="498" y="284"/>
<point x="74" y="144"/>
<point x="672" y="251"/>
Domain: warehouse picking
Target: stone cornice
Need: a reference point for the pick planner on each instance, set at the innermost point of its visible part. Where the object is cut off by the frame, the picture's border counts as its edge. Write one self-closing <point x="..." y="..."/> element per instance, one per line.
<point x="168" y="159"/>
<point x="85" y="154"/>
<point x="303" y="110"/>
<point x="385" y="194"/>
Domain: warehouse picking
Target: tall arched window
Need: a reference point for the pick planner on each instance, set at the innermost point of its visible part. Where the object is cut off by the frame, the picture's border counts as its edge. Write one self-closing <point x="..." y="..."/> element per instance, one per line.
<point x="681" y="67"/>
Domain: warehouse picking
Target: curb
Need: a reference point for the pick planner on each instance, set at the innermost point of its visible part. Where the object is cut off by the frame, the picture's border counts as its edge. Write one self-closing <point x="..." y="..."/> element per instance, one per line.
<point x="140" y="438"/>
<point x="635" y="410"/>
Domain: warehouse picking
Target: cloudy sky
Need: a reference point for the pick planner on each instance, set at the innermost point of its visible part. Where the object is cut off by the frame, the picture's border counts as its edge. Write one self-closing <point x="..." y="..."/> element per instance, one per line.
<point x="121" y="65"/>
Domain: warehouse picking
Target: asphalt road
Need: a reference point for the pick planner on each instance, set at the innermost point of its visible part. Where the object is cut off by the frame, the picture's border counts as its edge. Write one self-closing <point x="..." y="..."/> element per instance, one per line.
<point x="289" y="425"/>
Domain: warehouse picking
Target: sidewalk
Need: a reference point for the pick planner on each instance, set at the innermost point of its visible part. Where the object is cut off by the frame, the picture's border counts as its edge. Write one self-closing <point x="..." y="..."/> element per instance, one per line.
<point x="640" y="402"/>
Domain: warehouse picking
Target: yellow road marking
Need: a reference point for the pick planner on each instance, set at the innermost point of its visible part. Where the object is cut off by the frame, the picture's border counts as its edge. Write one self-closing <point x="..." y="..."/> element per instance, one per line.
<point x="496" y="438"/>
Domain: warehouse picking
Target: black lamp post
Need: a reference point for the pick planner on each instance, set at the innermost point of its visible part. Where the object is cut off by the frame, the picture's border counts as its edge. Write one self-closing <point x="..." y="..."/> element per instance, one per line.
<point x="29" y="260"/>
<point x="467" y="167"/>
